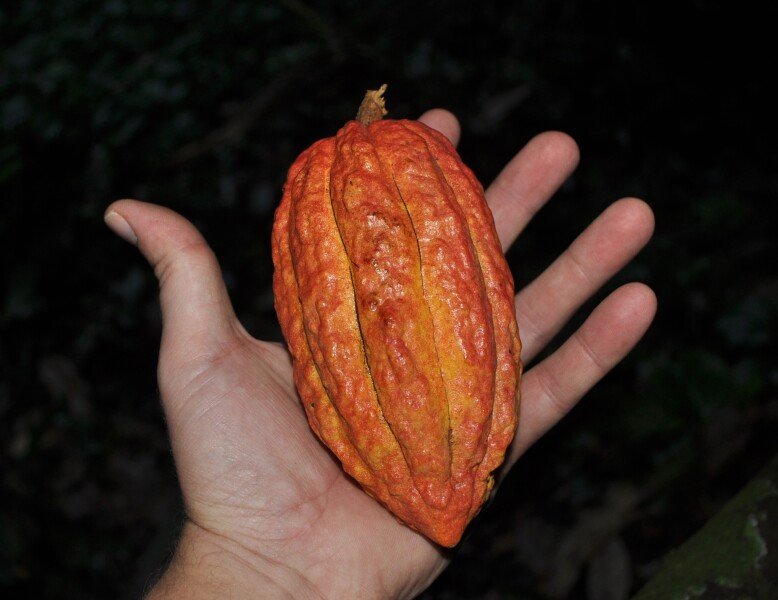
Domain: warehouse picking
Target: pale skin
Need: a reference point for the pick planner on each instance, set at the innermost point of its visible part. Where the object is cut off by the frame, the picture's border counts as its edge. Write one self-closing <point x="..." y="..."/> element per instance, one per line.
<point x="270" y="513"/>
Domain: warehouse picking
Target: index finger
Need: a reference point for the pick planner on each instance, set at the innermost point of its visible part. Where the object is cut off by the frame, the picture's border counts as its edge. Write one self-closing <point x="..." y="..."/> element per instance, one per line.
<point x="444" y="121"/>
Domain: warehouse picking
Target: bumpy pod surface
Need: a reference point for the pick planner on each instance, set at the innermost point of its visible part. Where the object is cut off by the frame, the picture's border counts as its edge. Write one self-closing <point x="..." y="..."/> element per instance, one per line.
<point x="397" y="306"/>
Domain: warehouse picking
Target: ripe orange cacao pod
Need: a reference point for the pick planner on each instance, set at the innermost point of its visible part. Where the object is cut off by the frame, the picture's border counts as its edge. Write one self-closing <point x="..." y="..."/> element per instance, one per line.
<point x="397" y="306"/>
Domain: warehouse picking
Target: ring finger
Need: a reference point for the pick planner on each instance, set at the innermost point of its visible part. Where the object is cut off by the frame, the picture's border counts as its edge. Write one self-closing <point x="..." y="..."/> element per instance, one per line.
<point x="609" y="243"/>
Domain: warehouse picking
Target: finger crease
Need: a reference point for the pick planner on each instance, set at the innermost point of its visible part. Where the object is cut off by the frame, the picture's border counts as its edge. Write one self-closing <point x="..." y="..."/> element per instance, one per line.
<point x="589" y="351"/>
<point x="582" y="271"/>
<point x="515" y="198"/>
<point x="551" y="390"/>
<point x="529" y="327"/>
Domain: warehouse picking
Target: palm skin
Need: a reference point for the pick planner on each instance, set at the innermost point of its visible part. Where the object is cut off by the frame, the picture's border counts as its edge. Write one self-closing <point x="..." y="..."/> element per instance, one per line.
<point x="252" y="472"/>
<point x="269" y="508"/>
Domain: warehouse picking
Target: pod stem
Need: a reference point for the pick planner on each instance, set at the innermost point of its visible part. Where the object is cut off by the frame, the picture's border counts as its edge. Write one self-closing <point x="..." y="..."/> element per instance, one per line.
<point x="372" y="107"/>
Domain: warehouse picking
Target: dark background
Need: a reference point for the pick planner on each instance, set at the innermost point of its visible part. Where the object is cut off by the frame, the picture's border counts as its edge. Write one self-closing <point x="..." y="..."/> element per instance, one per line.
<point x="203" y="106"/>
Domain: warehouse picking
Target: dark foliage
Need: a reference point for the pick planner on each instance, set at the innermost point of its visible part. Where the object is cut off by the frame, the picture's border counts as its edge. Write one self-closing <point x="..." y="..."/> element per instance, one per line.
<point x="202" y="107"/>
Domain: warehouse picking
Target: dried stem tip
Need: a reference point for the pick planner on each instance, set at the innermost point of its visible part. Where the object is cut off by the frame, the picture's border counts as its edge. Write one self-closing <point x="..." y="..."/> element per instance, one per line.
<point x="372" y="107"/>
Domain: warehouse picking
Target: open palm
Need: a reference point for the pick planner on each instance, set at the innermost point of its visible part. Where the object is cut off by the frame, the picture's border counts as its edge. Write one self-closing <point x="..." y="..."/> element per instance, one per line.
<point x="268" y="506"/>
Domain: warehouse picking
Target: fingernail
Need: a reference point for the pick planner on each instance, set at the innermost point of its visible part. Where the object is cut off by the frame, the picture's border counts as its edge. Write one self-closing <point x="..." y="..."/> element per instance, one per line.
<point x="121" y="227"/>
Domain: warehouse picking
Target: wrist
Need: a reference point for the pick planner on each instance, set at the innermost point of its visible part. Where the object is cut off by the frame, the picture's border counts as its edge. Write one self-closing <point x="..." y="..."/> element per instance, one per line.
<point x="207" y="565"/>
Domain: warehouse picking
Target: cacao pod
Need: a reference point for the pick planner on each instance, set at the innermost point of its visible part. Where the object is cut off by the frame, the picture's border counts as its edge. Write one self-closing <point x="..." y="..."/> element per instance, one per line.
<point x="397" y="306"/>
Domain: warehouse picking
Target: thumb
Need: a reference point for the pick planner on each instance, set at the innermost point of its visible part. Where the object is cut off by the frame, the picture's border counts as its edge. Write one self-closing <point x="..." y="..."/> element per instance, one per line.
<point x="197" y="314"/>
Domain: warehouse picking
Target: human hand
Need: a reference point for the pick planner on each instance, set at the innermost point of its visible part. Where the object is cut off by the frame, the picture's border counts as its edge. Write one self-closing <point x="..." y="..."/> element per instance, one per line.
<point x="269" y="511"/>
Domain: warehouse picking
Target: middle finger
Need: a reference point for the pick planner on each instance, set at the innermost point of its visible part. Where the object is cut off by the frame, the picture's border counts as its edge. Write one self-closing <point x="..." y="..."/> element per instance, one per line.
<point x="529" y="180"/>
